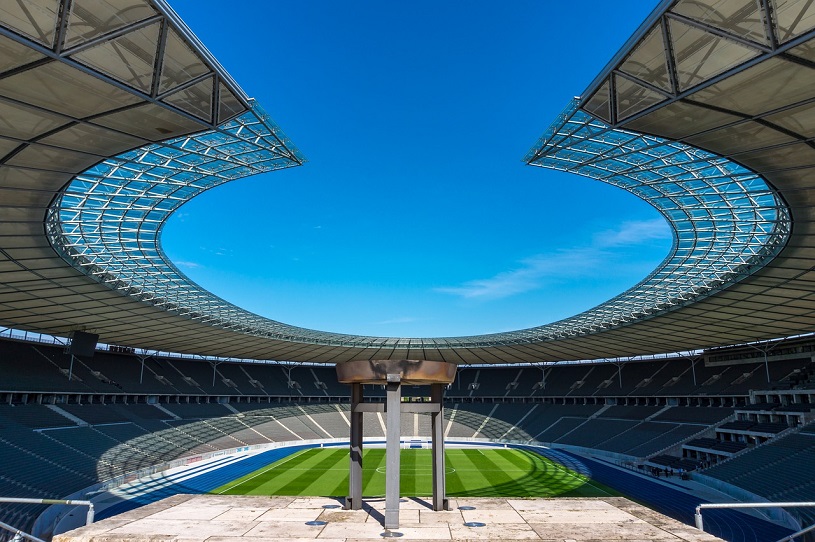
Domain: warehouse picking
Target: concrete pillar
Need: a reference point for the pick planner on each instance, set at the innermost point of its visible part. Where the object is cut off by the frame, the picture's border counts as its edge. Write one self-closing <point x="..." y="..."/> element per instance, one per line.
<point x="354" y="500"/>
<point x="392" y="450"/>
<point x="437" y="433"/>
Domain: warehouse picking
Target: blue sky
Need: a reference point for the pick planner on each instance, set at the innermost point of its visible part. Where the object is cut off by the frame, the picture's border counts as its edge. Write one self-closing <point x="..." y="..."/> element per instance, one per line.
<point x="414" y="216"/>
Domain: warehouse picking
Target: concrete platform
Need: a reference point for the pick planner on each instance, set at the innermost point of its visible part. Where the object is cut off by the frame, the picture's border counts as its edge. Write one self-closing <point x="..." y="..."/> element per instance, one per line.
<point x="219" y="518"/>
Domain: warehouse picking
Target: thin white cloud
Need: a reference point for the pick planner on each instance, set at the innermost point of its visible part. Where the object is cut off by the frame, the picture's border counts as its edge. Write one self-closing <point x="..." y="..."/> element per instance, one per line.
<point x="529" y="275"/>
<point x="533" y="272"/>
<point x="188" y="265"/>
<point x="634" y="233"/>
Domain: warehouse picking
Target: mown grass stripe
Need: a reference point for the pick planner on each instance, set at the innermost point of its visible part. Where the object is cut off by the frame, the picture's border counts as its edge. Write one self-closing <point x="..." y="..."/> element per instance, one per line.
<point x="245" y="484"/>
<point x="273" y="475"/>
<point x="409" y="473"/>
<point x="340" y="488"/>
<point x="502" y="483"/>
<point x="480" y="481"/>
<point x="285" y="473"/>
<point x="332" y="477"/>
<point x="455" y="484"/>
<point x="535" y="482"/>
<point x="473" y="472"/>
<point x="319" y="465"/>
<point x="326" y="473"/>
<point x="373" y="482"/>
<point x="529" y="483"/>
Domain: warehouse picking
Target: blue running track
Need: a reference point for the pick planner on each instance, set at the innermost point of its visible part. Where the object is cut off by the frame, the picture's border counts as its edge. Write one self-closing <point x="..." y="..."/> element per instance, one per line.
<point x="730" y="525"/>
<point x="727" y="524"/>
<point x="230" y="469"/>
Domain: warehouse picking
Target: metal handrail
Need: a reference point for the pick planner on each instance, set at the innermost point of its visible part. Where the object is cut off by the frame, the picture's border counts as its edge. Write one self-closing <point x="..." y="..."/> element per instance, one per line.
<point x="799" y="533"/>
<point x="701" y="526"/>
<point x="18" y="533"/>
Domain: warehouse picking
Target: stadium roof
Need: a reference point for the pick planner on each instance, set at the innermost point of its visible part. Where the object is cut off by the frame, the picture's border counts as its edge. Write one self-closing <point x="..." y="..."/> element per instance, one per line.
<point x="112" y="115"/>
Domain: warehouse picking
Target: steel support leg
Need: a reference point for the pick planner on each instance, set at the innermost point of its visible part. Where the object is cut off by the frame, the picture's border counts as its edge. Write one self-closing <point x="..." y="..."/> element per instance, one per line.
<point x="437" y="433"/>
<point x="354" y="500"/>
<point x="394" y="431"/>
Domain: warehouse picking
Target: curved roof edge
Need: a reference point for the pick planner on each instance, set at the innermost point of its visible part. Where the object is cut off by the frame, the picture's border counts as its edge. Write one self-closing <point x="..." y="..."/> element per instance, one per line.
<point x="726" y="221"/>
<point x="733" y="78"/>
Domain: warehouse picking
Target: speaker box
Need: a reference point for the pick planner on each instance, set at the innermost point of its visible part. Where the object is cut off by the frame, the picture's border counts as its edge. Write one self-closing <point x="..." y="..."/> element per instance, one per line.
<point x="83" y="344"/>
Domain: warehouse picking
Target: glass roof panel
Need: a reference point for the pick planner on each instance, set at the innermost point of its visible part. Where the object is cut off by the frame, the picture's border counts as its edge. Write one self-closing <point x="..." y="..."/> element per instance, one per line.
<point x="741" y="137"/>
<point x="130" y="58"/>
<point x="195" y="100"/>
<point x="800" y="120"/>
<point x="767" y="86"/>
<point x="797" y="155"/>
<point x="229" y="105"/>
<point x="52" y="158"/>
<point x="89" y="138"/>
<point x="36" y="19"/>
<point x="6" y="146"/>
<point x="25" y="122"/>
<point x="150" y="121"/>
<point x="717" y="232"/>
<point x="92" y="18"/>
<point x="110" y="215"/>
<point x="648" y="62"/>
<point x="180" y="63"/>
<point x="13" y="54"/>
<point x="599" y="104"/>
<point x="26" y="178"/>
<point x="700" y="55"/>
<point x="806" y="50"/>
<point x="680" y="119"/>
<point x="742" y="18"/>
<point x="61" y="88"/>
<point x="793" y="18"/>
<point x="633" y="98"/>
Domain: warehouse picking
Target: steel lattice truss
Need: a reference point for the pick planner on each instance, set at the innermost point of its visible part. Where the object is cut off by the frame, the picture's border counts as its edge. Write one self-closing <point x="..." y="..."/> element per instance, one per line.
<point x="726" y="221"/>
<point x="108" y="220"/>
<point x="90" y="90"/>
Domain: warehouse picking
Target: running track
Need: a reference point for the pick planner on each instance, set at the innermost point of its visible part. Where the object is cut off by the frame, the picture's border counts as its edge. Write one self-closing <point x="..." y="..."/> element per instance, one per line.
<point x="727" y="524"/>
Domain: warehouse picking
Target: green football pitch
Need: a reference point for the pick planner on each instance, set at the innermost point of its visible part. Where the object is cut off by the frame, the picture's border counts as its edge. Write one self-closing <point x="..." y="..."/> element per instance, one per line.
<point x="471" y="472"/>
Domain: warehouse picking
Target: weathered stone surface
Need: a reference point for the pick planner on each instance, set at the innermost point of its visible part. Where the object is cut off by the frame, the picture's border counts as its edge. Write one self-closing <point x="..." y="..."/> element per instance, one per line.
<point x="221" y="518"/>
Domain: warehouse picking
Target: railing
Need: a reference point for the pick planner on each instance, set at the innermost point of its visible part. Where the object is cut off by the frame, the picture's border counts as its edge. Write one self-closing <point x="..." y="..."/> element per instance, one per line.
<point x="19" y="535"/>
<point x="701" y="526"/>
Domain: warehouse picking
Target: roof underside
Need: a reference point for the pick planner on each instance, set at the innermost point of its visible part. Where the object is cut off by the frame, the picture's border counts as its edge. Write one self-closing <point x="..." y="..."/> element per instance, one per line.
<point x="80" y="88"/>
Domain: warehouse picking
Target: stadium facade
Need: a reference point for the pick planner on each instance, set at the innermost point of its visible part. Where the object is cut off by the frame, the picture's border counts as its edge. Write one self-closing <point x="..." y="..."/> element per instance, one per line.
<point x="115" y="115"/>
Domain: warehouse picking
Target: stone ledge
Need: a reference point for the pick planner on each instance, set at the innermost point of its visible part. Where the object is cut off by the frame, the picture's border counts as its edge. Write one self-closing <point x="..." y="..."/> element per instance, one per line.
<point x="219" y="518"/>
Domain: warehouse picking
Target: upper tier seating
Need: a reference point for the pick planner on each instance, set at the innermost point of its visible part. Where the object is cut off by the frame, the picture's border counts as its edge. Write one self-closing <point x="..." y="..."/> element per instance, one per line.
<point x="781" y="470"/>
<point x="40" y="368"/>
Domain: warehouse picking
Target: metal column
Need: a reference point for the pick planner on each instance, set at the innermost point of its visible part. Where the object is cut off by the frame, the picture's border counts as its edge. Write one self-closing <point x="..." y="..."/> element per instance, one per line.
<point x="394" y="431"/>
<point x="354" y="499"/>
<point x="437" y="433"/>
